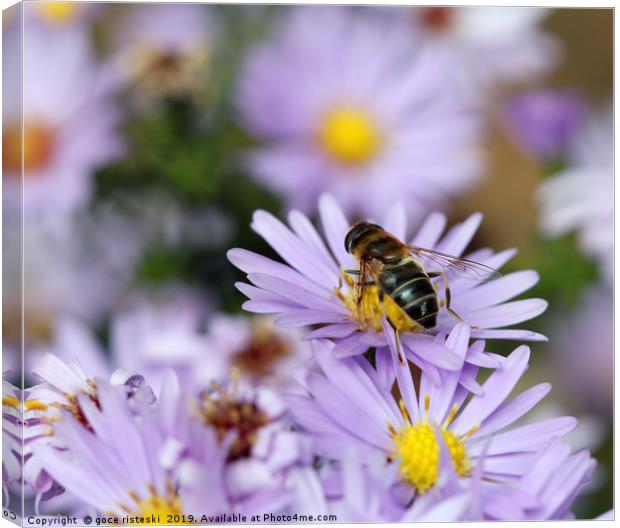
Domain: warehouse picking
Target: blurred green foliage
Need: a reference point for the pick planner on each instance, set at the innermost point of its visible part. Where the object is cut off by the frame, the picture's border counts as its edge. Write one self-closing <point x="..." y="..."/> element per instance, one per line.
<point x="564" y="271"/>
<point x="191" y="150"/>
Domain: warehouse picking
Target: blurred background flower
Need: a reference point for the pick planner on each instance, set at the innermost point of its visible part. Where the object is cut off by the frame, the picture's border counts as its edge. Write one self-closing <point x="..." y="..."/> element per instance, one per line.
<point x="546" y="121"/>
<point x="348" y="103"/>
<point x="163" y="50"/>
<point x="62" y="14"/>
<point x="69" y="128"/>
<point x="580" y="198"/>
<point x="153" y="132"/>
<point x="489" y="48"/>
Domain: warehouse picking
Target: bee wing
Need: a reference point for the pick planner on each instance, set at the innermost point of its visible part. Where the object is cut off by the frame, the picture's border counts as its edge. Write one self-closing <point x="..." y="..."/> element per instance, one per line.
<point x="459" y="267"/>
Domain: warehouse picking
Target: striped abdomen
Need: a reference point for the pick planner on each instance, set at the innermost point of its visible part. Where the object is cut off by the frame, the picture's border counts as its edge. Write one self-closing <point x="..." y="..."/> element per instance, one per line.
<point x="409" y="287"/>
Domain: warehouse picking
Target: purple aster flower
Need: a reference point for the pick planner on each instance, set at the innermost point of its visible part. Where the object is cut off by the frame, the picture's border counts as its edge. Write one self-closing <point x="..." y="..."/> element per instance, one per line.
<point x="149" y="333"/>
<point x="151" y="337"/>
<point x="112" y="465"/>
<point x="313" y="289"/>
<point x="12" y="419"/>
<point x="546" y="121"/>
<point x="382" y="121"/>
<point x="64" y="389"/>
<point x="22" y="423"/>
<point x="349" y="407"/>
<point x="251" y="427"/>
<point x="172" y="330"/>
<point x="69" y="128"/>
<point x="164" y="50"/>
<point x="581" y="197"/>
<point x="487" y="47"/>
<point x="262" y="353"/>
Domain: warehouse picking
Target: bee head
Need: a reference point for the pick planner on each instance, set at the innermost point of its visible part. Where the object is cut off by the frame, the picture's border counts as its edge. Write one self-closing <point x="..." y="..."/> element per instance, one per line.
<point x="358" y="232"/>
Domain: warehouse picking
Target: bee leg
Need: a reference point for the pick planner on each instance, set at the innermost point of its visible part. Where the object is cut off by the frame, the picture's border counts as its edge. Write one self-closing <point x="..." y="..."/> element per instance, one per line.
<point x="399" y="348"/>
<point x="434" y="275"/>
<point x="449" y="297"/>
<point x="338" y="290"/>
<point x="352" y="271"/>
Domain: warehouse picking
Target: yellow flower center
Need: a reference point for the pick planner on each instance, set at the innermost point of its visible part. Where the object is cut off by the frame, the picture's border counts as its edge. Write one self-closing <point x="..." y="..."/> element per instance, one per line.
<point x="156" y="508"/>
<point x="417" y="448"/>
<point x="349" y="136"/>
<point x="58" y="12"/>
<point x="370" y="309"/>
<point x="160" y="506"/>
<point x="39" y="143"/>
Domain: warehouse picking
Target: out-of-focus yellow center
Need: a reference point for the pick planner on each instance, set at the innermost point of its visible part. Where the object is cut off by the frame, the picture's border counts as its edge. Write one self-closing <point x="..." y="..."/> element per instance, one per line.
<point x="370" y="309"/>
<point x="58" y="12"/>
<point x="417" y="449"/>
<point x="162" y="506"/>
<point x="10" y="401"/>
<point x="39" y="143"/>
<point x="349" y="136"/>
<point x="156" y="508"/>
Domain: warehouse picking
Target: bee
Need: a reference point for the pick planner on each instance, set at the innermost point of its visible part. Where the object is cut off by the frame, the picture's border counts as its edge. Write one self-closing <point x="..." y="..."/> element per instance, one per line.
<point x="405" y="273"/>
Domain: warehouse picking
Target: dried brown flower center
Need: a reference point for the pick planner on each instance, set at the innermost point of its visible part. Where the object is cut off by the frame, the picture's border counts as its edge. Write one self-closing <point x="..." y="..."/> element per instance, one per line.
<point x="243" y="417"/>
<point x="437" y="18"/>
<point x="165" y="63"/>
<point x="160" y="73"/>
<point x="260" y="355"/>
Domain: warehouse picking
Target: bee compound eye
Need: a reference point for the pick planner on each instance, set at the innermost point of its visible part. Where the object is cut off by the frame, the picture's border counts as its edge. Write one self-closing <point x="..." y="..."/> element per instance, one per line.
<point x="348" y="239"/>
<point x="357" y="232"/>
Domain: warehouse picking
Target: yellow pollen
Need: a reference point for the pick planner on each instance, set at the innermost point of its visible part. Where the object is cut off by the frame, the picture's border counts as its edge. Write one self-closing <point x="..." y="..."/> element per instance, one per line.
<point x="417" y="449"/>
<point x="349" y="136"/>
<point x="427" y="402"/>
<point x="469" y="433"/>
<point x="157" y="505"/>
<point x="452" y="414"/>
<point x="404" y="412"/>
<point x="10" y="401"/>
<point x="35" y="405"/>
<point x="370" y="310"/>
<point x="58" y="12"/>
